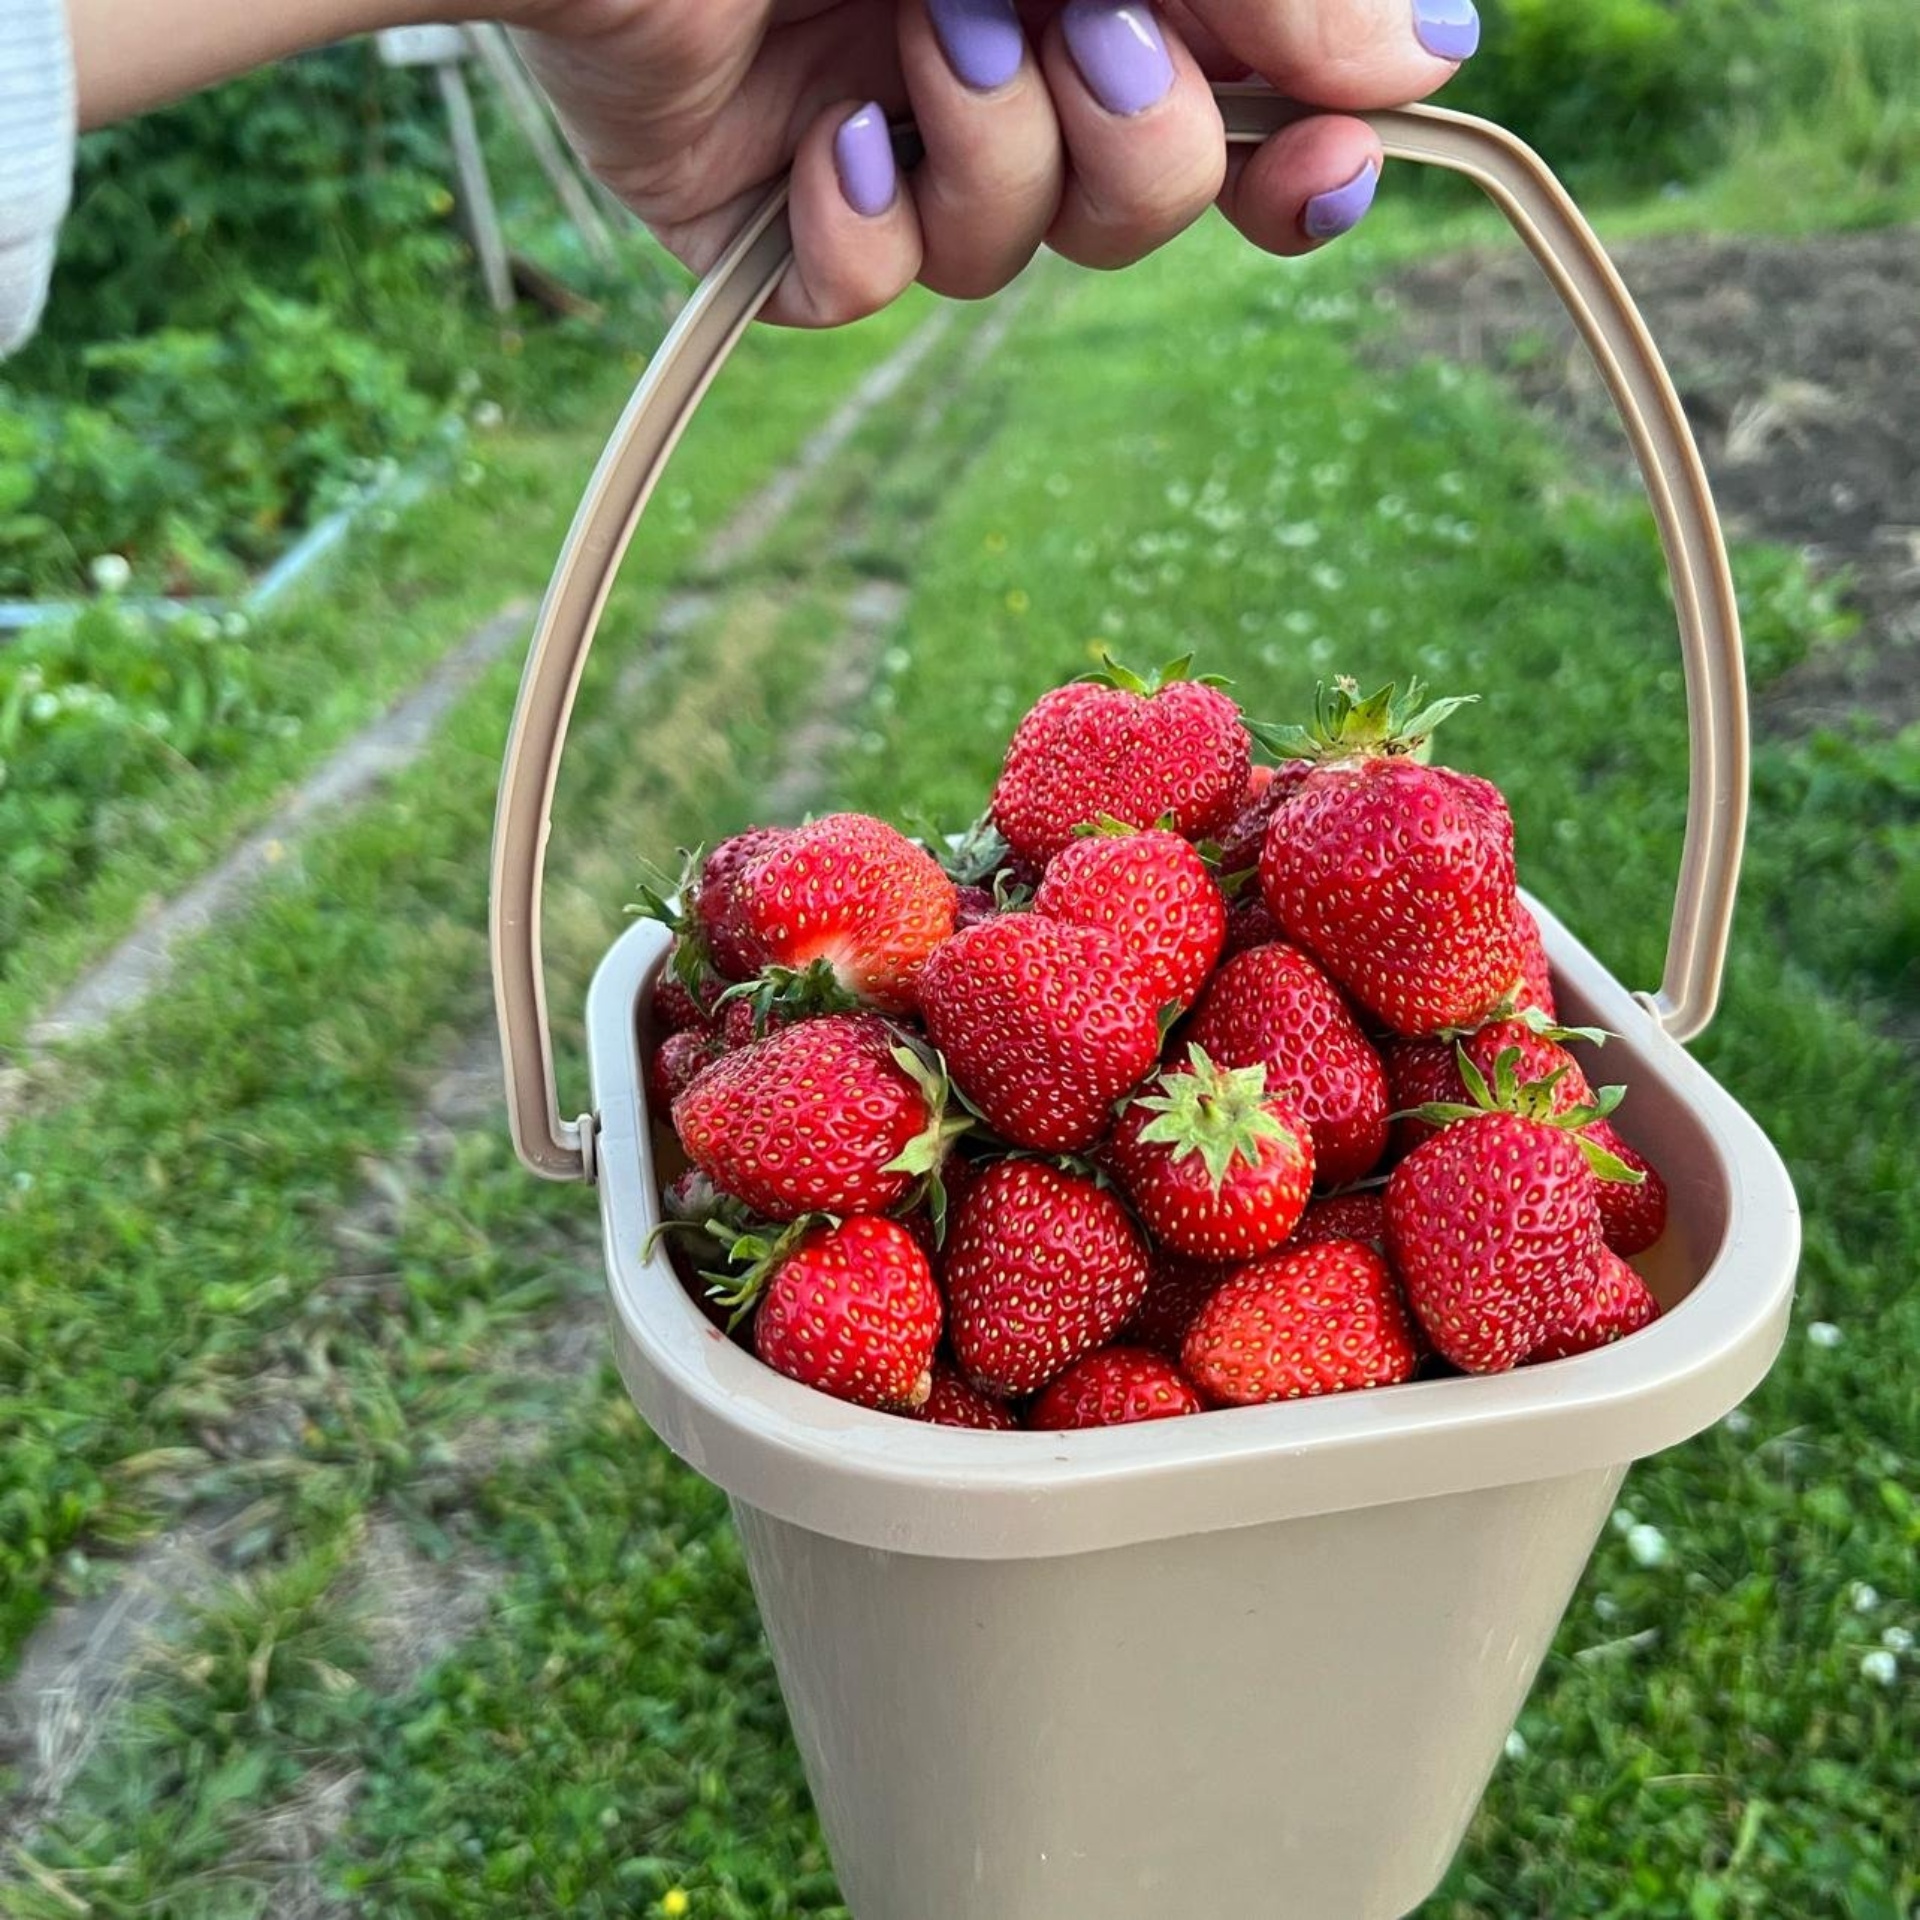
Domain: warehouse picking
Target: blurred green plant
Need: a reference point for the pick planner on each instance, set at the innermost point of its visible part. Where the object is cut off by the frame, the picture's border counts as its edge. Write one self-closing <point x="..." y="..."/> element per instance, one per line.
<point x="1643" y="92"/>
<point x="96" y="714"/>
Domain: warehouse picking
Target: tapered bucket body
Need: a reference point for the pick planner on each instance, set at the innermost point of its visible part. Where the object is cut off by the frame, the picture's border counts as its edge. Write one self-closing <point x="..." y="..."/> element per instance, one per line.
<point x="1256" y="1663"/>
<point x="1292" y="1721"/>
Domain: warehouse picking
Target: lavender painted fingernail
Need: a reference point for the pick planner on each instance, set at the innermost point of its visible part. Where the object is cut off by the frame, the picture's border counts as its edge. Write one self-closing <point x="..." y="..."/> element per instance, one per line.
<point x="1448" y="29"/>
<point x="981" y="39"/>
<point x="863" y="158"/>
<point x="1330" y="214"/>
<point x="1116" y="44"/>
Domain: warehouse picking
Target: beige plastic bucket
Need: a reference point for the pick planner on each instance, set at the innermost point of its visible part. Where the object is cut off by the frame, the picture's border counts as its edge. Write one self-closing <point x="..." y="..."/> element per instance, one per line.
<point x="1258" y="1663"/>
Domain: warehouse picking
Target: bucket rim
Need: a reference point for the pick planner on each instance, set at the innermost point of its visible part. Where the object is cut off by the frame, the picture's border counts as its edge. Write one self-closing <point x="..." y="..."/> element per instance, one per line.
<point x="905" y="1485"/>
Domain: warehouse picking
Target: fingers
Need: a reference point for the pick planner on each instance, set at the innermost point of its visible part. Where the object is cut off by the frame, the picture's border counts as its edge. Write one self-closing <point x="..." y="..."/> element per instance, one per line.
<point x="1306" y="185"/>
<point x="990" y="182"/>
<point x="856" y="234"/>
<point x="1146" y="150"/>
<point x="1346" y="53"/>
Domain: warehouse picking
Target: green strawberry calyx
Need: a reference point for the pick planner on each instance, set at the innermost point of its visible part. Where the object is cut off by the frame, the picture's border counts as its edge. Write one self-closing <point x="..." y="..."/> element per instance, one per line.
<point x="1348" y="725"/>
<point x="1531" y="1100"/>
<point x="1534" y="1019"/>
<point x="1112" y="674"/>
<point x="753" y="1257"/>
<point x="801" y="993"/>
<point x="1220" y="1113"/>
<point x="926" y="1153"/>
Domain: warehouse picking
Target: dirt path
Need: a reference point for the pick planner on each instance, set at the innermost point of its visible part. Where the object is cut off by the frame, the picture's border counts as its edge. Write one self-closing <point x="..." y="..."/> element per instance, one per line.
<point x="1797" y="362"/>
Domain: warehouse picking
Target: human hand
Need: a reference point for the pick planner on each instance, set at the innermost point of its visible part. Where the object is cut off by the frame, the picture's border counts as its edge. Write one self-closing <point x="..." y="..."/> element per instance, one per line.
<point x="1088" y="126"/>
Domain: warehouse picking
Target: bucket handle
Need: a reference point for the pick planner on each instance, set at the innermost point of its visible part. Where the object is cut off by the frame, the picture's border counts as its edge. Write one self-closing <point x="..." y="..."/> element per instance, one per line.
<point x="677" y="378"/>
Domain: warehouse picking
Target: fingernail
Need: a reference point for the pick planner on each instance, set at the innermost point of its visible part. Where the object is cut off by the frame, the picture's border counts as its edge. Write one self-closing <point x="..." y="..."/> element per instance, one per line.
<point x="1448" y="29"/>
<point x="1331" y="213"/>
<point x="981" y="39"/>
<point x="863" y="158"/>
<point x="1116" y="44"/>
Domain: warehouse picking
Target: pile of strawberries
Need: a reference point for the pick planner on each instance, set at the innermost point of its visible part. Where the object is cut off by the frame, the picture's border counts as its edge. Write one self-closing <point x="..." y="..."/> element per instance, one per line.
<point x="1177" y="1083"/>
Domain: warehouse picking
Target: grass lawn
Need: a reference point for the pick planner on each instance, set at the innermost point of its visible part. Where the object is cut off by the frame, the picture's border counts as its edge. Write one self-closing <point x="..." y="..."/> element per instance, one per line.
<point x="1140" y="469"/>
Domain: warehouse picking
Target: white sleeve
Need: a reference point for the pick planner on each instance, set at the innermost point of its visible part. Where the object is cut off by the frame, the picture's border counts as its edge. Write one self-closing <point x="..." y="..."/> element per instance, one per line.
<point x="36" y="155"/>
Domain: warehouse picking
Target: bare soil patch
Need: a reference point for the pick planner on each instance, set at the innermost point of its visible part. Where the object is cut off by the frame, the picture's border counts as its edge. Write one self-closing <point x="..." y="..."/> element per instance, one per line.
<point x="1798" y="362"/>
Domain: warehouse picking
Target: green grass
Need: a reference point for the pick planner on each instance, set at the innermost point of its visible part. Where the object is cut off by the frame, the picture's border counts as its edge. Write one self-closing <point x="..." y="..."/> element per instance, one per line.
<point x="1144" y="471"/>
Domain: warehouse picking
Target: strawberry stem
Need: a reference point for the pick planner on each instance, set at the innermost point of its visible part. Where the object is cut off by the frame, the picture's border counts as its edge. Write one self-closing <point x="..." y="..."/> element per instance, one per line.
<point x="1220" y="1113"/>
<point x="1347" y="725"/>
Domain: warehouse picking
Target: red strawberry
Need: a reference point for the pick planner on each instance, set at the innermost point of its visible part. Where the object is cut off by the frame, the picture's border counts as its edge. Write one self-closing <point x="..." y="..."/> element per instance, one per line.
<point x="1419" y="1073"/>
<point x="681" y="1005"/>
<point x="833" y="1115"/>
<point x="853" y="1310"/>
<point x="1216" y="1165"/>
<point x="1246" y="833"/>
<point x="1397" y="877"/>
<point x="1272" y="1007"/>
<point x="677" y="1063"/>
<point x="1536" y="978"/>
<point x="1494" y="1226"/>
<point x="1041" y="1266"/>
<point x="972" y="905"/>
<point x="1320" y="1319"/>
<point x="1632" y="1217"/>
<point x="730" y="943"/>
<point x="748" y="1019"/>
<point x="1153" y="893"/>
<point x="1113" y="1388"/>
<point x="1344" y="1216"/>
<point x="1140" y="753"/>
<point x="1176" y="1291"/>
<point x="1616" y="1304"/>
<point x="956" y="1402"/>
<point x="853" y="896"/>
<point x="1249" y="924"/>
<point x="1043" y="1025"/>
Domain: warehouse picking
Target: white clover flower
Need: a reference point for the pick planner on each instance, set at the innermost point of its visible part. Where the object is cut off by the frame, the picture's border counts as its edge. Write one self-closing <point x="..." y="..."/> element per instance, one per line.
<point x="1648" y="1546"/>
<point x="1862" y="1598"/>
<point x="1738" y="1422"/>
<point x="1897" y="1640"/>
<point x="1880" y="1667"/>
<point x="110" y="573"/>
<point x="1823" y="1333"/>
<point x="236" y="626"/>
<point x="487" y="415"/>
<point x="1516" y="1745"/>
<point x="1606" y="1607"/>
<point x="1623" y="1520"/>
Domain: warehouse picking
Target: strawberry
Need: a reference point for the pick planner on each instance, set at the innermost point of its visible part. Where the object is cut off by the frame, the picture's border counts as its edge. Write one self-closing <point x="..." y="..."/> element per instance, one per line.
<point x="1325" y="1318"/>
<point x="1615" y="1304"/>
<point x="684" y="998"/>
<point x="1344" y="1216"/>
<point x="1177" y="1289"/>
<point x="1246" y="833"/>
<point x="1216" y="1165"/>
<point x="1494" y="1226"/>
<point x="1397" y="877"/>
<point x="852" y="899"/>
<point x="1153" y="893"/>
<point x="677" y="1063"/>
<point x="1273" y="1007"/>
<point x="1632" y="1217"/>
<point x="833" y="1115"/>
<point x="1419" y="1073"/>
<point x="1535" y="988"/>
<point x="972" y="905"/>
<point x="1113" y="1388"/>
<point x="1043" y="1026"/>
<point x="1041" y="1267"/>
<point x="852" y="1310"/>
<point x="729" y="941"/>
<point x="1173" y="752"/>
<point x="956" y="1402"/>
<point x="1249" y="924"/>
<point x="750" y="1018"/>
